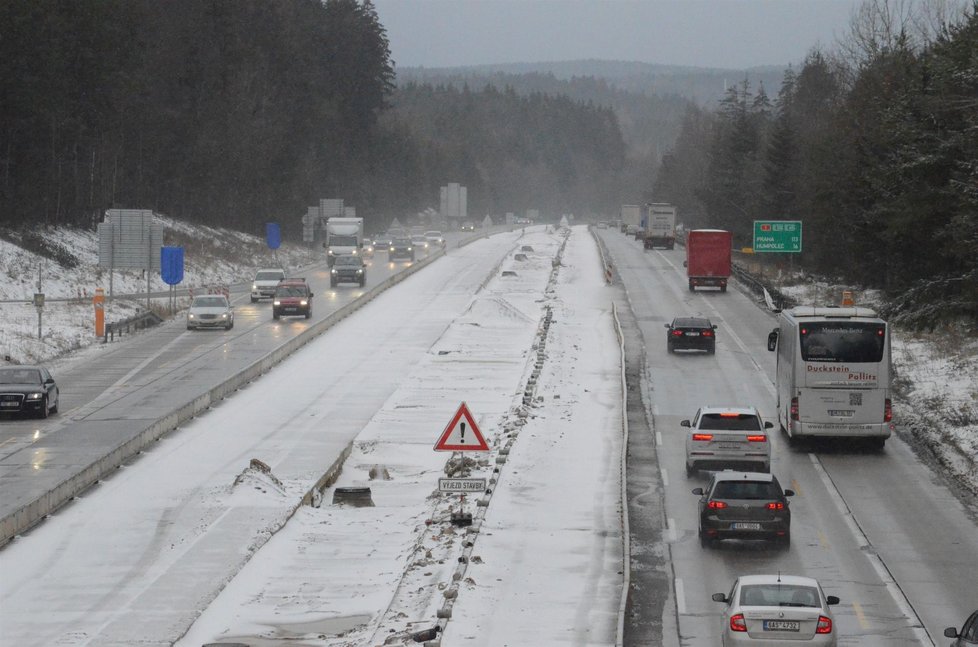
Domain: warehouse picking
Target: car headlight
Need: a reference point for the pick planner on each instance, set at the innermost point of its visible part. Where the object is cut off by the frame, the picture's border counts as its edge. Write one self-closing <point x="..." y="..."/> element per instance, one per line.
<point x="409" y="249"/>
<point x="224" y="316"/>
<point x="391" y="249"/>
<point x="190" y="315"/>
<point x="330" y="252"/>
<point x="359" y="271"/>
<point x="354" y="252"/>
<point x="35" y="396"/>
<point x="276" y="302"/>
<point x="254" y="286"/>
<point x="303" y="303"/>
<point x="333" y="271"/>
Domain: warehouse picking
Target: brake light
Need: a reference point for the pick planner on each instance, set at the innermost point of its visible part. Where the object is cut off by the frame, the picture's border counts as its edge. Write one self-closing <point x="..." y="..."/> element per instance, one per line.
<point x="677" y="333"/>
<point x="728" y="414"/>
<point x="887" y="410"/>
<point x="737" y="622"/>
<point x="759" y="438"/>
<point x="716" y="505"/>
<point x="775" y="505"/>
<point x="824" y="625"/>
<point x="702" y="436"/>
<point x="794" y="408"/>
<point x="707" y="333"/>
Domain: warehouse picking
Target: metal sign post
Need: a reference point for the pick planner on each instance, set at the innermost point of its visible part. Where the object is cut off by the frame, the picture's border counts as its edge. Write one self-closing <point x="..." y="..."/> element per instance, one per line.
<point x="461" y="435"/>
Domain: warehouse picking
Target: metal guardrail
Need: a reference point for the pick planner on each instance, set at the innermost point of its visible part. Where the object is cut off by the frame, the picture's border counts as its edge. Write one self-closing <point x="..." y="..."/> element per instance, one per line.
<point x="130" y="325"/>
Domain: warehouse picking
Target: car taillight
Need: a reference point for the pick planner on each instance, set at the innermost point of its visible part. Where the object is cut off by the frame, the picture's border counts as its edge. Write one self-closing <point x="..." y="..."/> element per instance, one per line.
<point x="677" y="333"/>
<point x="702" y="436"/>
<point x="824" y="625"/>
<point x="757" y="438"/>
<point x="887" y="410"/>
<point x="716" y="505"/>
<point x="737" y="622"/>
<point x="775" y="505"/>
<point x="707" y="333"/>
<point x="794" y="408"/>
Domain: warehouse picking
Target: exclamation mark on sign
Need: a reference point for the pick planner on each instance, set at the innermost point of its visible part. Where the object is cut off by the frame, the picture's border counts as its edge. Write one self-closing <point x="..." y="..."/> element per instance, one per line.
<point x="463" y="432"/>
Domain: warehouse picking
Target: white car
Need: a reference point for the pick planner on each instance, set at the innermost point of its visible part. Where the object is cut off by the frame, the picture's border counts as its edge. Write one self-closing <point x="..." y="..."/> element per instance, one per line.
<point x="266" y="279"/>
<point x="727" y="438"/>
<point x="435" y="238"/>
<point x="772" y="610"/>
<point x="418" y="241"/>
<point x="210" y="311"/>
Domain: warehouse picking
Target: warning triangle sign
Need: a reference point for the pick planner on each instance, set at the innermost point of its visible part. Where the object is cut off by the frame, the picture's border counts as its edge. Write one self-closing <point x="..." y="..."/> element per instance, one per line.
<point x="462" y="434"/>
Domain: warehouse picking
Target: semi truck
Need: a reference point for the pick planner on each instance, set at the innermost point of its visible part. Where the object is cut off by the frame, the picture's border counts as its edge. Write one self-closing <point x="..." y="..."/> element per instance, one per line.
<point x="343" y="236"/>
<point x="631" y="218"/>
<point x="660" y="226"/>
<point x="708" y="258"/>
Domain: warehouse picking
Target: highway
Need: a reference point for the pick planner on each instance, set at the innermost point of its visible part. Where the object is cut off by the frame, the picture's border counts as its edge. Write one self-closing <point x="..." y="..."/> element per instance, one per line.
<point x="879" y="530"/>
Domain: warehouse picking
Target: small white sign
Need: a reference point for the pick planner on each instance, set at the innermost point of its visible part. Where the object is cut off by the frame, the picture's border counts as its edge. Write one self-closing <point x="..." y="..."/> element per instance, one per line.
<point x="462" y="485"/>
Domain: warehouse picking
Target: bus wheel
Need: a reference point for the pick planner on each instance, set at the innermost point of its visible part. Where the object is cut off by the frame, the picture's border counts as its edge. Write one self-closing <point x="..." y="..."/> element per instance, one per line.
<point x="877" y="444"/>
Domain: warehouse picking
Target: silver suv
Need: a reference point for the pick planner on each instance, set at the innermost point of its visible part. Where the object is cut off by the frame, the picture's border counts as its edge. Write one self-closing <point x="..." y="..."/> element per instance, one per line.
<point x="266" y="279"/>
<point x="727" y="438"/>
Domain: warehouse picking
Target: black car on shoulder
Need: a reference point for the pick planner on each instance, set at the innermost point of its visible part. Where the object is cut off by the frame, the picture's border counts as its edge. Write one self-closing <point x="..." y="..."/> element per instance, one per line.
<point x="28" y="389"/>
<point x="348" y="269"/>
<point x="401" y="249"/>
<point x="691" y="333"/>
<point x="744" y="505"/>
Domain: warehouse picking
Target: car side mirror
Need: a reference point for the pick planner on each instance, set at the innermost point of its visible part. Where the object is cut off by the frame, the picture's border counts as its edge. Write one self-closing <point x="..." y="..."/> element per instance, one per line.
<point x="769" y="425"/>
<point x="684" y="423"/>
<point x="789" y="493"/>
<point x="667" y="325"/>
<point x="698" y="491"/>
<point x="831" y="600"/>
<point x="772" y="340"/>
<point x="50" y="380"/>
<point x="714" y="326"/>
<point x="685" y="264"/>
<point x="719" y="597"/>
<point x="311" y="295"/>
<point x="951" y="632"/>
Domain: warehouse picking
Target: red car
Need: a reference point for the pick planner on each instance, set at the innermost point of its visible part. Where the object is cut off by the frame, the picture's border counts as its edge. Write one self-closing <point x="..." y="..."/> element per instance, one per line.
<point x="292" y="298"/>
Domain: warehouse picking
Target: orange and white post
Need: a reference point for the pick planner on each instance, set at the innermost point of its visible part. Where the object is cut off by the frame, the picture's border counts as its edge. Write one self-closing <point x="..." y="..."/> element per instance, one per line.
<point x="99" y="301"/>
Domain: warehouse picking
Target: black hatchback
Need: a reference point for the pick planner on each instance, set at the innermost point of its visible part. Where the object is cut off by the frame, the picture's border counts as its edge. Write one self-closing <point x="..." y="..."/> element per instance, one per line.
<point x="744" y="505"/>
<point x="691" y="333"/>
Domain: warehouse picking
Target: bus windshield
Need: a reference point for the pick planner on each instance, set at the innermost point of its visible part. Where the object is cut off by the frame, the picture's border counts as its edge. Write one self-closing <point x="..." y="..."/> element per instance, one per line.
<point x="842" y="341"/>
<point x="343" y="241"/>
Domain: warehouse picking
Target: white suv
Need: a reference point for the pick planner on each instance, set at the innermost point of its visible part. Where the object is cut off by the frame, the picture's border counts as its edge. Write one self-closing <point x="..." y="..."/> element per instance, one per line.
<point x="266" y="279"/>
<point x="727" y="438"/>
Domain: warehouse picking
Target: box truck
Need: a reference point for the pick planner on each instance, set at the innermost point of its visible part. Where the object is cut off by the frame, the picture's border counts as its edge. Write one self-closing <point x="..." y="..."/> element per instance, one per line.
<point x="631" y="218"/>
<point x="708" y="258"/>
<point x="343" y="236"/>
<point x="660" y="226"/>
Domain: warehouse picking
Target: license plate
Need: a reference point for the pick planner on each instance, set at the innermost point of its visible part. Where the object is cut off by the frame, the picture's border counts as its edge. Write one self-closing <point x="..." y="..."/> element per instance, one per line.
<point x="745" y="525"/>
<point x="729" y="446"/>
<point x="692" y="334"/>
<point x="841" y="413"/>
<point x="781" y="625"/>
<point x="9" y="404"/>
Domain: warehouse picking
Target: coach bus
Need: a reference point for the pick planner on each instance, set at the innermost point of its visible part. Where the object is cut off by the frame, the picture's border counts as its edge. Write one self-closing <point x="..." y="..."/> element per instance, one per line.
<point x="833" y="375"/>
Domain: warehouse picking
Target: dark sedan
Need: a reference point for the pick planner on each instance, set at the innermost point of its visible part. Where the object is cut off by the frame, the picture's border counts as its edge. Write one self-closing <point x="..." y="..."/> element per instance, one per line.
<point x="28" y="389"/>
<point x="744" y="505"/>
<point x="691" y="333"/>
<point x="401" y="249"/>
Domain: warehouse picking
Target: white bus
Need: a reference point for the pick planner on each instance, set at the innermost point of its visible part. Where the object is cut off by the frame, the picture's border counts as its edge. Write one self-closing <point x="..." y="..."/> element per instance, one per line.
<point x="833" y="376"/>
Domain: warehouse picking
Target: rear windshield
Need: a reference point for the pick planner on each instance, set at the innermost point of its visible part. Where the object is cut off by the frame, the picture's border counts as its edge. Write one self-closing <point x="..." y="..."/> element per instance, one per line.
<point x="831" y="341"/>
<point x="746" y="490"/>
<point x="779" y="595"/>
<point x="739" y="422"/>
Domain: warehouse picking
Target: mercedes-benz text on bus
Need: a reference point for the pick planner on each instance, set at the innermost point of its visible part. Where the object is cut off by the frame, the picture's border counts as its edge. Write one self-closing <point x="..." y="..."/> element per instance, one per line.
<point x="833" y="375"/>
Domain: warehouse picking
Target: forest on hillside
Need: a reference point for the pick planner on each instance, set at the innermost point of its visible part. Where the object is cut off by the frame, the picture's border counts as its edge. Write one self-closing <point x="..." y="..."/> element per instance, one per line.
<point x="876" y="154"/>
<point x="239" y="112"/>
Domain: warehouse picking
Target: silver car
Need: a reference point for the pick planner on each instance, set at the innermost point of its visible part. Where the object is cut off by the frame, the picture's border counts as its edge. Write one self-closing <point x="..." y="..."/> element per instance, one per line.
<point x="727" y="437"/>
<point x="210" y="311"/>
<point x="777" y="610"/>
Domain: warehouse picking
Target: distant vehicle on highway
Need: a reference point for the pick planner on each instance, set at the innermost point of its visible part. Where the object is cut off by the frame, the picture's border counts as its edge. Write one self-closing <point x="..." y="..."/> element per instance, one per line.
<point x="744" y="505"/>
<point x="777" y="610"/>
<point x="367" y="251"/>
<point x="419" y="242"/>
<point x="727" y="437"/>
<point x="348" y="269"/>
<point x="467" y="226"/>
<point x="691" y="333"/>
<point x="968" y="635"/>
<point x="210" y="311"/>
<point x="292" y="298"/>
<point x="382" y="243"/>
<point x="266" y="280"/>
<point x="435" y="238"/>
<point x="401" y="249"/>
<point x="28" y="389"/>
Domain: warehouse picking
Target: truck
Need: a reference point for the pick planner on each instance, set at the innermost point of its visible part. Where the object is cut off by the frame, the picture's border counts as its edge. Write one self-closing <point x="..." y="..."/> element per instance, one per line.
<point x="660" y="226"/>
<point x="631" y="218"/>
<point x="708" y="258"/>
<point x="343" y="236"/>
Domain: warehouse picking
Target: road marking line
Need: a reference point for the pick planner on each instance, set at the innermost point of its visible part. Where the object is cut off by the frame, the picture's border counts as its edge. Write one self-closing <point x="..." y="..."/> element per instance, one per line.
<point x="680" y="597"/>
<point x="796" y="487"/>
<point x="822" y="539"/>
<point x="670" y="530"/>
<point x="860" y="616"/>
<point x="665" y="477"/>
<point x="903" y="604"/>
<point x="658" y="438"/>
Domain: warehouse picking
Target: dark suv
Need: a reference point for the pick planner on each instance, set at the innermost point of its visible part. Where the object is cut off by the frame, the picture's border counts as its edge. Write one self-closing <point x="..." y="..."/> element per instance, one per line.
<point x="348" y="269"/>
<point x="292" y="298"/>
<point x="401" y="249"/>
<point x="691" y="333"/>
<point x="744" y="505"/>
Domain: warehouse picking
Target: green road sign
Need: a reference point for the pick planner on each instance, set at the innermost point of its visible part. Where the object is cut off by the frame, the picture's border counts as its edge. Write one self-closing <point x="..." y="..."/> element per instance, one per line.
<point x="777" y="236"/>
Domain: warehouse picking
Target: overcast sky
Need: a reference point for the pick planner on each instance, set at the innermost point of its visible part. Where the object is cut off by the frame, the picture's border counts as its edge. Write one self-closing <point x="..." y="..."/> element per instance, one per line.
<point x="705" y="33"/>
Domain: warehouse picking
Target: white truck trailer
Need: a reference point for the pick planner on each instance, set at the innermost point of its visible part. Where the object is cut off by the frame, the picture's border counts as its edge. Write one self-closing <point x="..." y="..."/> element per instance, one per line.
<point x="343" y="236"/>
<point x="631" y="218"/>
<point x="660" y="226"/>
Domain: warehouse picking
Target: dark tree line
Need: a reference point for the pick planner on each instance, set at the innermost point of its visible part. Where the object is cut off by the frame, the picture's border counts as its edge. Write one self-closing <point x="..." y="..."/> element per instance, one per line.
<point x="878" y="159"/>
<point x="229" y="112"/>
